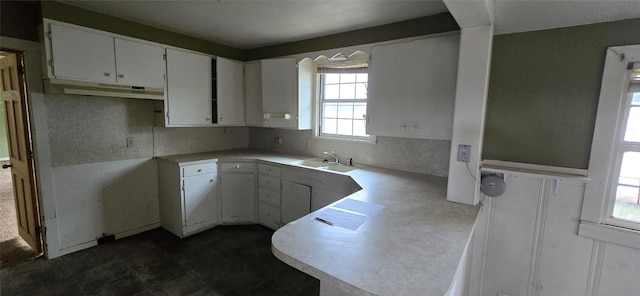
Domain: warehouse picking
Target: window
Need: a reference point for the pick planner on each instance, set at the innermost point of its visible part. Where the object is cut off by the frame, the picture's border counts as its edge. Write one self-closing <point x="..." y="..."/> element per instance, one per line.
<point x="624" y="209"/>
<point x="343" y="102"/>
<point x="611" y="205"/>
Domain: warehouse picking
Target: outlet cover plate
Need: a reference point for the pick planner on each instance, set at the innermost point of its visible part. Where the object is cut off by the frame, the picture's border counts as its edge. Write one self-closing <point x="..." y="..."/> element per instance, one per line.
<point x="464" y="153"/>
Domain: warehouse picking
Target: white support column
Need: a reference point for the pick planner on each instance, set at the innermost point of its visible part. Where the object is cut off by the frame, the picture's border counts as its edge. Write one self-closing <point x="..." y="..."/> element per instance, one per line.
<point x="468" y="120"/>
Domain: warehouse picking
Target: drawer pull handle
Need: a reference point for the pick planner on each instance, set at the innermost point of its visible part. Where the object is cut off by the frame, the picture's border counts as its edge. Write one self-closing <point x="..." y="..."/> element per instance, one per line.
<point x="199" y="170"/>
<point x="211" y="181"/>
<point x="106" y="74"/>
<point x="237" y="166"/>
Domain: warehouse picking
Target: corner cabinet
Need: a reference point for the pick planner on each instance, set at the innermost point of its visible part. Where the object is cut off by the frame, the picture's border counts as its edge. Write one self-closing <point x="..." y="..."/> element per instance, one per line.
<point x="203" y="90"/>
<point x="80" y="54"/>
<point x="412" y="88"/>
<point x="238" y="192"/>
<point x="287" y="92"/>
<point x="188" y="197"/>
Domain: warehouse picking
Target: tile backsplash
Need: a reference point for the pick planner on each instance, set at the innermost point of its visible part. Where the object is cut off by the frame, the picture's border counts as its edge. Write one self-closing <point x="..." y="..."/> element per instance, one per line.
<point x="413" y="155"/>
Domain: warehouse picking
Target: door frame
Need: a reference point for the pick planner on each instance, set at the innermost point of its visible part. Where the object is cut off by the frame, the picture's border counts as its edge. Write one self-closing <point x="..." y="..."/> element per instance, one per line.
<point x="26" y="118"/>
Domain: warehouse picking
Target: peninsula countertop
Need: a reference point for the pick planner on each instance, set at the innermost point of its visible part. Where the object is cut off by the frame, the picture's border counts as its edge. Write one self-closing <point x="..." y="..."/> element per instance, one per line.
<point x="411" y="247"/>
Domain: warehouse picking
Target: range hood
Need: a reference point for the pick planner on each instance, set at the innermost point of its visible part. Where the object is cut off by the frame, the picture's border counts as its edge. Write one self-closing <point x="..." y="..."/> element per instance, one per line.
<point x="70" y="87"/>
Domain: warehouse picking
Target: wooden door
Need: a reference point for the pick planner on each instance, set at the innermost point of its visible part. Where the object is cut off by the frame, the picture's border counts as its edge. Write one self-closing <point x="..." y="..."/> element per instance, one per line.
<point x="22" y="173"/>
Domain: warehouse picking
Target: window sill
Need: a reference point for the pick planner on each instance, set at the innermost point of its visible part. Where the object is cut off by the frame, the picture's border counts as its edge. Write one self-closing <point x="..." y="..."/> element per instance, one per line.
<point x="612" y="234"/>
<point x="363" y="141"/>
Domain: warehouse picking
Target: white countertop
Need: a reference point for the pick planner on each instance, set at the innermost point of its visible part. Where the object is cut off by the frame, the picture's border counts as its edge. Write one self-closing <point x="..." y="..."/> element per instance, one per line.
<point x="411" y="247"/>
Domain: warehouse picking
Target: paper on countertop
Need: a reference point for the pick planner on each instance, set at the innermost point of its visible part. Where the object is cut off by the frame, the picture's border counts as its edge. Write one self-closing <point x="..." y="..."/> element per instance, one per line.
<point x="349" y="213"/>
<point x="342" y="219"/>
<point x="360" y="207"/>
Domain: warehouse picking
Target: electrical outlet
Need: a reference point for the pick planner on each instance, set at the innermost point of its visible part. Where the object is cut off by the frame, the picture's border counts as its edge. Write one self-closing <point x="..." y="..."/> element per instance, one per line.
<point x="277" y="140"/>
<point x="464" y="153"/>
<point x="129" y="142"/>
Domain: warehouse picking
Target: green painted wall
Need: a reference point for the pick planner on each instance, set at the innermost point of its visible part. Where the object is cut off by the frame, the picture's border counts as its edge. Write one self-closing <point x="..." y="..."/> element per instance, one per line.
<point x="544" y="89"/>
<point x="439" y="23"/>
<point x="82" y="17"/>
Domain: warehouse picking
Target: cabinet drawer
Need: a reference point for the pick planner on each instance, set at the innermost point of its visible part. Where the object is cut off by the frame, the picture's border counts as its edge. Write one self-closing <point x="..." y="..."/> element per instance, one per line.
<point x="237" y="167"/>
<point x="269" y="196"/>
<point x="269" y="215"/>
<point x="269" y="182"/>
<point x="199" y="169"/>
<point x="268" y="169"/>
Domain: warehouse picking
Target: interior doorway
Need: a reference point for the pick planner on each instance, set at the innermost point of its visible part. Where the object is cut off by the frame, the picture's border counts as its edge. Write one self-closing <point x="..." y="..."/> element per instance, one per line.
<point x="21" y="235"/>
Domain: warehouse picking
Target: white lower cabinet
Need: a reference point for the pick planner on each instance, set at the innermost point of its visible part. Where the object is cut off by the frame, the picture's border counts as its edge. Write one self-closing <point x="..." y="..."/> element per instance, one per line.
<point x="188" y="197"/>
<point x="295" y="201"/>
<point x="238" y="192"/>
<point x="269" y="195"/>
<point x="321" y="197"/>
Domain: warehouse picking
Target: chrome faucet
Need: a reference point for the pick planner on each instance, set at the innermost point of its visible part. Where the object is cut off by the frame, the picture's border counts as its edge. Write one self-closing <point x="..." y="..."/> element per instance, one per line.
<point x="334" y="156"/>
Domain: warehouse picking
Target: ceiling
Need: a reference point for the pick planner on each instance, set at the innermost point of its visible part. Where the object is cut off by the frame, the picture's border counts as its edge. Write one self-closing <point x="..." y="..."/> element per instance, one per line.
<point x="247" y="24"/>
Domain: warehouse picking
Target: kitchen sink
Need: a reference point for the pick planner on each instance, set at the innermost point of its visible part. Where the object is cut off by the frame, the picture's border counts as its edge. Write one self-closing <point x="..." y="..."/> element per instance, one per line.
<point x="319" y="163"/>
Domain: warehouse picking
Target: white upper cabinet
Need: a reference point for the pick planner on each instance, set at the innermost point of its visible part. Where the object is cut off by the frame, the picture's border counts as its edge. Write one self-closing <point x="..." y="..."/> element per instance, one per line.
<point x="253" y="93"/>
<point x="188" y="89"/>
<point x="139" y="64"/>
<point x="412" y="88"/>
<point x="230" y="92"/>
<point x="287" y="91"/>
<point x="83" y="55"/>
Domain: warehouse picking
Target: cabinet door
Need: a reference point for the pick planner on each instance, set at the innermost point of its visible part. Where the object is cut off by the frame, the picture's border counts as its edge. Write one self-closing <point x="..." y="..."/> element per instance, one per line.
<point x="230" y="85"/>
<point x="200" y="202"/>
<point x="188" y="89"/>
<point x="238" y="198"/>
<point x="321" y="198"/>
<point x="389" y="89"/>
<point x="279" y="91"/>
<point x="295" y="201"/>
<point x="139" y="64"/>
<point x="433" y="87"/>
<point x="253" y="93"/>
<point x="82" y="55"/>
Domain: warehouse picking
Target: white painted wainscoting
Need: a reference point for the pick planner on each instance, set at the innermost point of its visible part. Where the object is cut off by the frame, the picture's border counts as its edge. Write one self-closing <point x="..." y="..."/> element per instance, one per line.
<point x="529" y="240"/>
<point x="115" y="197"/>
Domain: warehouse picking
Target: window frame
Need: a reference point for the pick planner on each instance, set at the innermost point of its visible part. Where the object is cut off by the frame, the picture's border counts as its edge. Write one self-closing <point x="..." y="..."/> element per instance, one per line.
<point x="320" y="103"/>
<point x="608" y="139"/>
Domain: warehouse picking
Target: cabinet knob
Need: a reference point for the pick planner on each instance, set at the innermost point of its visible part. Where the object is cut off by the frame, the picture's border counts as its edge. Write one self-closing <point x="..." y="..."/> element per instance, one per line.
<point x="207" y="118"/>
<point x="221" y="118"/>
<point x="211" y="181"/>
<point x="120" y="75"/>
<point x="237" y="166"/>
<point x="403" y="127"/>
<point x="107" y="74"/>
<point x="199" y="170"/>
<point x="414" y="127"/>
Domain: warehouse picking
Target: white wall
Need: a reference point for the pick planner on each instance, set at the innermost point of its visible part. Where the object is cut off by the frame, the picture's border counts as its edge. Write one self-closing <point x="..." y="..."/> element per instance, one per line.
<point x="532" y="246"/>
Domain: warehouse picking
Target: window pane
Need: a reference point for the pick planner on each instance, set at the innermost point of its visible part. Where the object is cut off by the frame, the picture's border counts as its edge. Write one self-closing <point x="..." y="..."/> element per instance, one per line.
<point x="347" y="78"/>
<point x="331" y="78"/>
<point x="632" y="134"/>
<point x="345" y="127"/>
<point x="347" y="91"/>
<point x="361" y="91"/>
<point x="359" y="128"/>
<point x="628" y="191"/>
<point x="636" y="99"/>
<point x="362" y="77"/>
<point x="345" y="110"/>
<point x="329" y="126"/>
<point x="359" y="111"/>
<point x="330" y="110"/>
<point x="332" y="92"/>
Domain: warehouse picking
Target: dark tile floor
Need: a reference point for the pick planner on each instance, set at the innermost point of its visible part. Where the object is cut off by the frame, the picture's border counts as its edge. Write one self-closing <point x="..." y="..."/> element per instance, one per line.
<point x="226" y="260"/>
